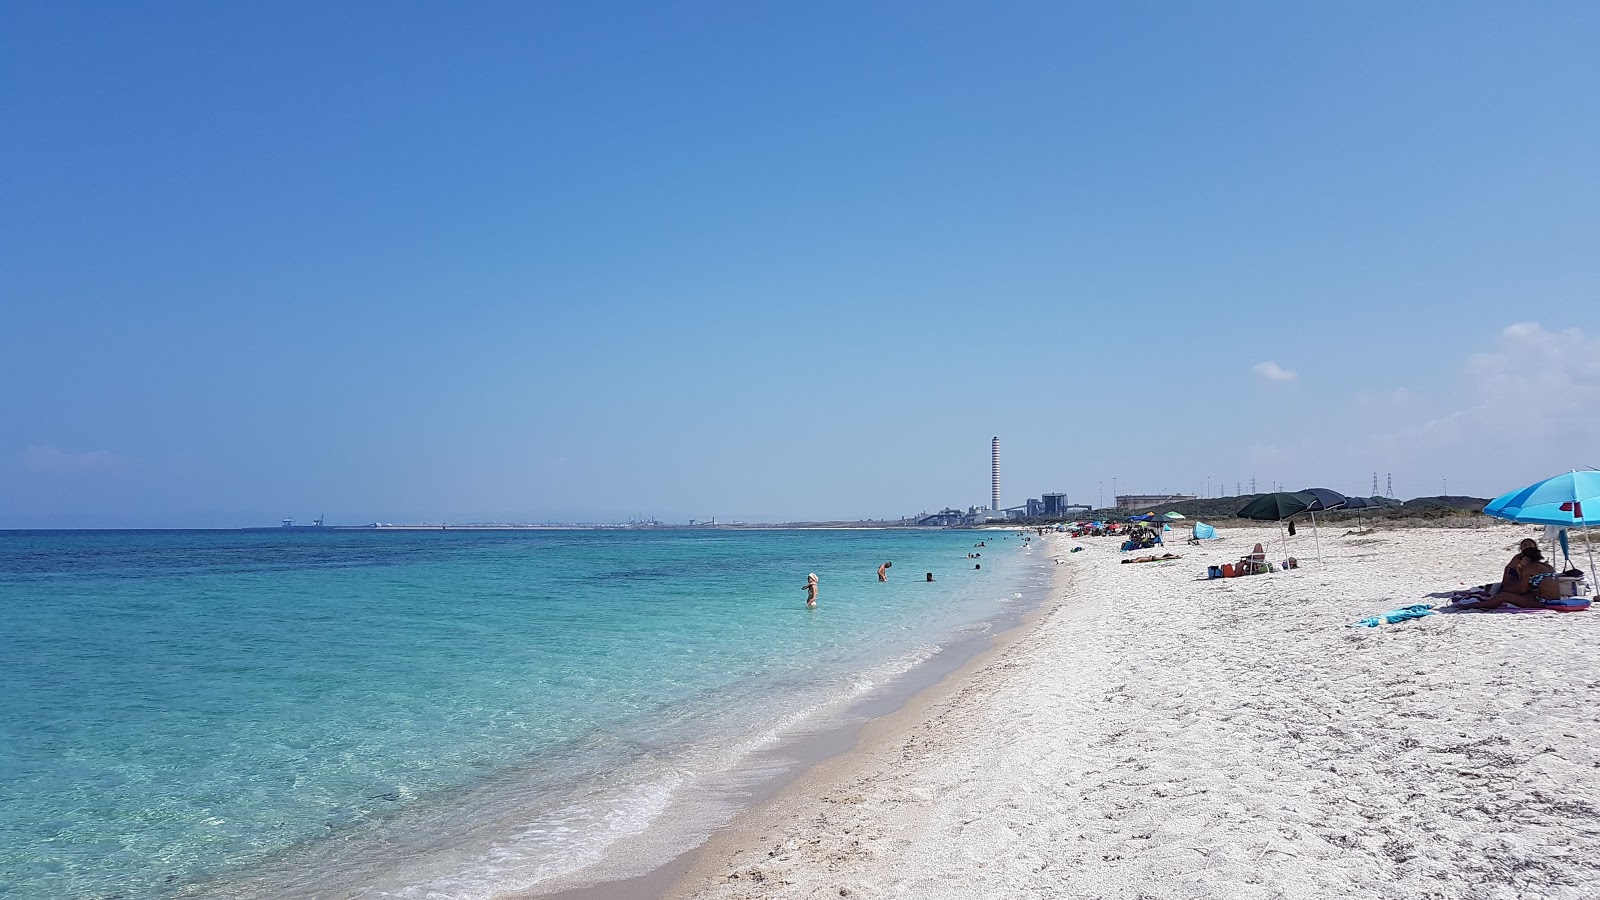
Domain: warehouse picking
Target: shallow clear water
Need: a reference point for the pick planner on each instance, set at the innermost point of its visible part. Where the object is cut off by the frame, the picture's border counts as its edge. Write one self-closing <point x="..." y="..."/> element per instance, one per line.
<point x="181" y="711"/>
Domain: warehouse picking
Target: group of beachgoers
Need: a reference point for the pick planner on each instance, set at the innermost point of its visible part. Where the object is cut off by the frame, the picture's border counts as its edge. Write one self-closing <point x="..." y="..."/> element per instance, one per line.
<point x="811" y="583"/>
<point x="1091" y="529"/>
<point x="811" y="587"/>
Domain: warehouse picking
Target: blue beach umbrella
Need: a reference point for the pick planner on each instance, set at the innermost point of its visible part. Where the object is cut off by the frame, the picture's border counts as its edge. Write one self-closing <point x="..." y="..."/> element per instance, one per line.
<point x="1568" y="500"/>
<point x="1554" y="501"/>
<point x="1322" y="498"/>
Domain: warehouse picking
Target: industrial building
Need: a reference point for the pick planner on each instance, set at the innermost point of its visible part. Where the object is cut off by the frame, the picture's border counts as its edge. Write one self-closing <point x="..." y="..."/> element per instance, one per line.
<point x="950" y="516"/>
<point x="1145" y="501"/>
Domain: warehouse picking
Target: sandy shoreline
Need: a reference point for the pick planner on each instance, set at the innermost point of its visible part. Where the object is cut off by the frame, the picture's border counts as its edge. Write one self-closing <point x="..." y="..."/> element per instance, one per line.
<point x="1154" y="734"/>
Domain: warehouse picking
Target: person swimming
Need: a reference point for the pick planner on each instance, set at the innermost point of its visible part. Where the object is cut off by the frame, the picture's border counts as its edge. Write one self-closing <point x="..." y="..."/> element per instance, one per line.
<point x="883" y="571"/>
<point x="811" y="591"/>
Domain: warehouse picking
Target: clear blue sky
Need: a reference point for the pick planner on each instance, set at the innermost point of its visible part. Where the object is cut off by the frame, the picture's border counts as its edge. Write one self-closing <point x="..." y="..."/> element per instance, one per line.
<point x="404" y="262"/>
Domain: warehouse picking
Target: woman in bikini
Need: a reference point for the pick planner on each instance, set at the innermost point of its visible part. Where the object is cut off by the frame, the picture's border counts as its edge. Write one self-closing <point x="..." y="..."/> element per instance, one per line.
<point x="1534" y="583"/>
<point x="1514" y="579"/>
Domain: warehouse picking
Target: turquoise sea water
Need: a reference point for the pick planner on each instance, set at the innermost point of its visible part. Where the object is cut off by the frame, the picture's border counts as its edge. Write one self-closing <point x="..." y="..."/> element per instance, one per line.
<point x="436" y="714"/>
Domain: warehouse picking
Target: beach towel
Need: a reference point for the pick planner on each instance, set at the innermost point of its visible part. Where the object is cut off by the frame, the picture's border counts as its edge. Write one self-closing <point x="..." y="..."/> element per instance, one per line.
<point x="1563" y="605"/>
<point x="1414" y="611"/>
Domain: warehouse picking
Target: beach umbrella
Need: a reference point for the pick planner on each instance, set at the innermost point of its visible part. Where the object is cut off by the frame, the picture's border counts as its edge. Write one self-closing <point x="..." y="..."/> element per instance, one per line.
<point x="1555" y="501"/>
<point x="1358" y="504"/>
<point x="1324" y="498"/>
<point x="1174" y="516"/>
<point x="1276" y="507"/>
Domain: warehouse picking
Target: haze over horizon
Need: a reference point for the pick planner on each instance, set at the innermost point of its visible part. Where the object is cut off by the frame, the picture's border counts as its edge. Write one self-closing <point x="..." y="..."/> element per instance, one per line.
<point x="574" y="263"/>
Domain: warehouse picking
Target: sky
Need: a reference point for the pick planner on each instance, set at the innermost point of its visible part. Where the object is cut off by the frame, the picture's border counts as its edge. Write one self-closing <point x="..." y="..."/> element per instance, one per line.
<point x="410" y="262"/>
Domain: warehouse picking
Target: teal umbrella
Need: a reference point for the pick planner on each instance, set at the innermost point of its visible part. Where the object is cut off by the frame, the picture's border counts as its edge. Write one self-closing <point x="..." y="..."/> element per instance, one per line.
<point x="1555" y="501"/>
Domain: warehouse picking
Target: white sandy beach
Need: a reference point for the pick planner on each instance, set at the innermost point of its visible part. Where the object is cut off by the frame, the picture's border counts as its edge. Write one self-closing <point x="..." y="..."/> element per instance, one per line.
<point x="1156" y="735"/>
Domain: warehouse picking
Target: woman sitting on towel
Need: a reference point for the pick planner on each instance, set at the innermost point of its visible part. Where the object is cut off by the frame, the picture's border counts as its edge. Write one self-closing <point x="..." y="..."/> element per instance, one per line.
<point x="1511" y="579"/>
<point x="1514" y="579"/>
<point x="1535" y="582"/>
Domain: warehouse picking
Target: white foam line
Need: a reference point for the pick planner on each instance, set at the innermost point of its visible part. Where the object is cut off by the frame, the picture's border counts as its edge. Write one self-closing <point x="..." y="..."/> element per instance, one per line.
<point x="574" y="838"/>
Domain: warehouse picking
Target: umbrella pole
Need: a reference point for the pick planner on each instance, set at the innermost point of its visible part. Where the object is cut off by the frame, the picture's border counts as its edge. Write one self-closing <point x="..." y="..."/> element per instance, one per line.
<point x="1594" y="585"/>
<point x="1316" y="535"/>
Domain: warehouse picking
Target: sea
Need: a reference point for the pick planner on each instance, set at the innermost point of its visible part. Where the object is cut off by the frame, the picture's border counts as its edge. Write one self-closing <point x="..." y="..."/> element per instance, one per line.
<point x="440" y="714"/>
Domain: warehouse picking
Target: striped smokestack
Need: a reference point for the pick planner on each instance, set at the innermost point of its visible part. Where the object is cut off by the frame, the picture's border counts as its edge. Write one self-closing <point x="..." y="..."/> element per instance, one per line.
<point x="994" y="478"/>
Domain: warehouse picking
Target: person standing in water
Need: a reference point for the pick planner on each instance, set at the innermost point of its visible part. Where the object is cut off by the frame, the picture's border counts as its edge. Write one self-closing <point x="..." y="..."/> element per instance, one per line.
<point x="811" y="591"/>
<point x="883" y="571"/>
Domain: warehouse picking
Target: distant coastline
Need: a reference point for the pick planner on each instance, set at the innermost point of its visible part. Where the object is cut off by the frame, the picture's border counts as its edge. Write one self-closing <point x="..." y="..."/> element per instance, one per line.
<point x="590" y="526"/>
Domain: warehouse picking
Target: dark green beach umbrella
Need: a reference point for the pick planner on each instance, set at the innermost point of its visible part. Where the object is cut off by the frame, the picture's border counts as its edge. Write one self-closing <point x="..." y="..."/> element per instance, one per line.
<point x="1277" y="506"/>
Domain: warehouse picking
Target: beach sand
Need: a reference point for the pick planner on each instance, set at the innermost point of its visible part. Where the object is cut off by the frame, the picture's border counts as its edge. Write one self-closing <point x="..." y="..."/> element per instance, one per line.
<point x="1155" y="735"/>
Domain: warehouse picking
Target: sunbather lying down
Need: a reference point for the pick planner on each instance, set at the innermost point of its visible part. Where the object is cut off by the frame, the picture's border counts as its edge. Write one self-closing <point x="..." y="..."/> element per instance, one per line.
<point x="1162" y="558"/>
<point x="1527" y="585"/>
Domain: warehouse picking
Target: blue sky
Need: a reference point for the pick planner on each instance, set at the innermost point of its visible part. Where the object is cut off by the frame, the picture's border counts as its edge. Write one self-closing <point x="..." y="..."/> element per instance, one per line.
<point x="409" y="262"/>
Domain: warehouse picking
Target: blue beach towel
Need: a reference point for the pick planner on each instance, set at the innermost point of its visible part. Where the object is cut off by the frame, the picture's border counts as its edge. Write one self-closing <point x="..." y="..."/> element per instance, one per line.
<point x="1415" y="611"/>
